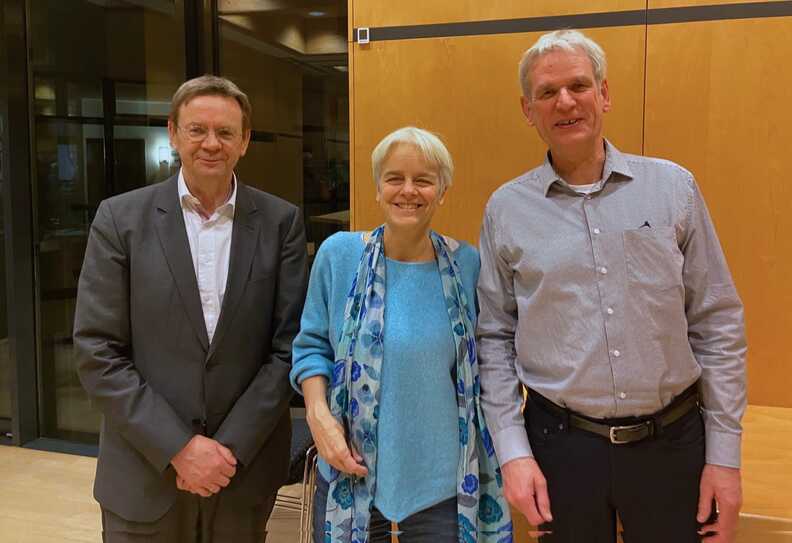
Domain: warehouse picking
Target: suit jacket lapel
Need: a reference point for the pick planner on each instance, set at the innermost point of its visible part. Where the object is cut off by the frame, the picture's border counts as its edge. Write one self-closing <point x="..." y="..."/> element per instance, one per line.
<point x="243" y="246"/>
<point x="173" y="237"/>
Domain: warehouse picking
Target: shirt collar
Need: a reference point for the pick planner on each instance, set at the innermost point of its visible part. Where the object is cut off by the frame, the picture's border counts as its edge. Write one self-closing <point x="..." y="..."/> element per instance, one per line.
<point x="191" y="203"/>
<point x="615" y="163"/>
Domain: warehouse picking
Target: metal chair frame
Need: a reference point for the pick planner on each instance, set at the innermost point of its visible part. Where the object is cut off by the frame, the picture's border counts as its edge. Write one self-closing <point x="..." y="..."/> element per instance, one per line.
<point x="308" y="491"/>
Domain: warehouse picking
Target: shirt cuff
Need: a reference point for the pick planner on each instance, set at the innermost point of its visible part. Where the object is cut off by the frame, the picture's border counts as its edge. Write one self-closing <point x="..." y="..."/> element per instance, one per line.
<point x="298" y="379"/>
<point x="723" y="448"/>
<point x="510" y="443"/>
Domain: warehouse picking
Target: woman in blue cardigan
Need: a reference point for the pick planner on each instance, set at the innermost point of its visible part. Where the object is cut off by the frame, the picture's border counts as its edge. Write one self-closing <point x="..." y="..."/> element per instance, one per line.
<point x="386" y="360"/>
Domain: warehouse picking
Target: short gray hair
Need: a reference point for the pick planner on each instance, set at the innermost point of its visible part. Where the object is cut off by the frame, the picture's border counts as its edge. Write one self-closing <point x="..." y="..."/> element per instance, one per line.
<point x="211" y="85"/>
<point x="430" y="146"/>
<point x="564" y="40"/>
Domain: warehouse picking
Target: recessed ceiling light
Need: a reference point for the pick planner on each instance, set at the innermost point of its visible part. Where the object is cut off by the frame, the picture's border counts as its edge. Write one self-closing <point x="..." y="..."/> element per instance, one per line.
<point x="317" y="13"/>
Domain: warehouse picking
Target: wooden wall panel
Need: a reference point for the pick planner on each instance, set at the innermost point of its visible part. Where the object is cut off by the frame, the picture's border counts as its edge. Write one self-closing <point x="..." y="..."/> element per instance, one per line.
<point x="717" y="101"/>
<point x="373" y="13"/>
<point x="655" y="4"/>
<point x="466" y="90"/>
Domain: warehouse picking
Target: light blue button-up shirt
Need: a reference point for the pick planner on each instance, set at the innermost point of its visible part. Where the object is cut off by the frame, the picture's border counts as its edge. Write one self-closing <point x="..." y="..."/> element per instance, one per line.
<point x="609" y="303"/>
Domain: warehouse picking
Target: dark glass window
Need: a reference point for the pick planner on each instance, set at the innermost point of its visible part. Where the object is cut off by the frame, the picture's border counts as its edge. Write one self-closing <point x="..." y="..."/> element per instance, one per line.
<point x="5" y="362"/>
<point x="291" y="58"/>
<point x="103" y="74"/>
<point x="99" y="102"/>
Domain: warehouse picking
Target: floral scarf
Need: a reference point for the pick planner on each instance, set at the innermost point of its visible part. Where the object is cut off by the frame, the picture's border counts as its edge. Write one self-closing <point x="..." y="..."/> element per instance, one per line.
<point x="483" y="514"/>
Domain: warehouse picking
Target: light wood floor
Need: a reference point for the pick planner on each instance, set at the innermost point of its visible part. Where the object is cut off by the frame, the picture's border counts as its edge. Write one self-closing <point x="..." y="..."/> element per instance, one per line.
<point x="46" y="497"/>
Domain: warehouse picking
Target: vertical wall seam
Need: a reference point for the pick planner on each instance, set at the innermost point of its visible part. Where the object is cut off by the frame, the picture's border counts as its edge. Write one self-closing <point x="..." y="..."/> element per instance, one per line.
<point x="645" y="79"/>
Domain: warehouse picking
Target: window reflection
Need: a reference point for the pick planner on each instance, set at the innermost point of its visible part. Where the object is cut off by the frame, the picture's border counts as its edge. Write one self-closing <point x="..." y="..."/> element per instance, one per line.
<point x="291" y="59"/>
<point x="5" y="362"/>
<point x="100" y="103"/>
<point x="100" y="99"/>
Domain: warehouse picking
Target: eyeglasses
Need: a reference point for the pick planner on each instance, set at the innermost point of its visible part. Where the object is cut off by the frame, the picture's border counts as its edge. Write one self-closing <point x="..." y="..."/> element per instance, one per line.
<point x="196" y="133"/>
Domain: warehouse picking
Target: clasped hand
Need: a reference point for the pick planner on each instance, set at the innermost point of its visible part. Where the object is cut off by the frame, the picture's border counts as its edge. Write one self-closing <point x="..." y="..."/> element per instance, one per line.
<point x="204" y="466"/>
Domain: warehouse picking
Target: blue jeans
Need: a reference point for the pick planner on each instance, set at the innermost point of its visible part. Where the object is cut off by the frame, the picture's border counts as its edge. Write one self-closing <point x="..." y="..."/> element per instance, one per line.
<point x="436" y="524"/>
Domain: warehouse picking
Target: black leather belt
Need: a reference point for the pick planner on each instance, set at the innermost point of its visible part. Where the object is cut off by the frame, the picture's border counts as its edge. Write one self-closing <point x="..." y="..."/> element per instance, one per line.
<point x="645" y="427"/>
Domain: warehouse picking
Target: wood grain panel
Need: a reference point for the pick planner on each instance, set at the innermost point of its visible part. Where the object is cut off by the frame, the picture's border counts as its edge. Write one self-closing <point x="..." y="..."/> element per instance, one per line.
<point x="655" y="4"/>
<point x="717" y="103"/>
<point x="351" y="83"/>
<point x="466" y="90"/>
<point x="374" y="13"/>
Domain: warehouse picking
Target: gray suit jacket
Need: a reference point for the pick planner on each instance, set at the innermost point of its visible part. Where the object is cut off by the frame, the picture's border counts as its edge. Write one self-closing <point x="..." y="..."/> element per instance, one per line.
<point x="144" y="355"/>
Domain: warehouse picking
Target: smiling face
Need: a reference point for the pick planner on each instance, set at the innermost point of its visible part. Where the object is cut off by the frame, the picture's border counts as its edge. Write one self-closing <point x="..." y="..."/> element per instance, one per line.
<point x="408" y="190"/>
<point x="214" y="158"/>
<point x="566" y="104"/>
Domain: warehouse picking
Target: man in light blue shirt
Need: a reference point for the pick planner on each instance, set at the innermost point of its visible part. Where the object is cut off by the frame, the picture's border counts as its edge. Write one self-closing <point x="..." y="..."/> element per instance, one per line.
<point x="604" y="291"/>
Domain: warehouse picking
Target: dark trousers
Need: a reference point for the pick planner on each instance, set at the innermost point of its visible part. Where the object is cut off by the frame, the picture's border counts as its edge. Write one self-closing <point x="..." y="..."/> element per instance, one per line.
<point x="193" y="519"/>
<point x="436" y="524"/>
<point x="652" y="484"/>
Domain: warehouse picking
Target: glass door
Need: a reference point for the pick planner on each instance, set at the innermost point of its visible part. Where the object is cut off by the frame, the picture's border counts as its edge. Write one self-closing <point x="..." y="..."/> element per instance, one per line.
<point x="100" y="102"/>
<point x="5" y="361"/>
<point x="291" y="58"/>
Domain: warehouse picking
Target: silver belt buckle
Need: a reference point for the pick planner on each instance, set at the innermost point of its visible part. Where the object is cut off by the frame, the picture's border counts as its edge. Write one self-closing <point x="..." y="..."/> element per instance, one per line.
<point x="614" y="429"/>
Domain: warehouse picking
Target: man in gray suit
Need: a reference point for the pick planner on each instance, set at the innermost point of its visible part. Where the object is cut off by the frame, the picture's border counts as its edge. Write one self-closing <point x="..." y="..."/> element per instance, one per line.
<point x="189" y="297"/>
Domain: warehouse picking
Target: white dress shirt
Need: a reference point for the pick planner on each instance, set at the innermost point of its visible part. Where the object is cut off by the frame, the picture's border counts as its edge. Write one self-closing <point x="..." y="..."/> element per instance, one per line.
<point x="210" y="246"/>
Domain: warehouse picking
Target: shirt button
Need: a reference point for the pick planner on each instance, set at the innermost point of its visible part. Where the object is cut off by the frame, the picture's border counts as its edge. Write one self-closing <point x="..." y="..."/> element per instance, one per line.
<point x="622" y="395"/>
<point x="609" y="311"/>
<point x="616" y="353"/>
<point x="603" y="270"/>
<point x="596" y="230"/>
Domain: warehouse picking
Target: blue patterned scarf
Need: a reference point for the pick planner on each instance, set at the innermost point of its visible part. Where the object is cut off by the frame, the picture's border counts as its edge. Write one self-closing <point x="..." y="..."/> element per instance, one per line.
<point x="354" y="401"/>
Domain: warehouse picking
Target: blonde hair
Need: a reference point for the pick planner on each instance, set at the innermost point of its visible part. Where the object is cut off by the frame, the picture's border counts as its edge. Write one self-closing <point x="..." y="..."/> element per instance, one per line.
<point x="430" y="146"/>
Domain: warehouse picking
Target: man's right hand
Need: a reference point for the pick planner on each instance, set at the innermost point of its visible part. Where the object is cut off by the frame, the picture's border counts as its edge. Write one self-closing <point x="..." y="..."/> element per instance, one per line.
<point x="204" y="466"/>
<point x="525" y="488"/>
<point x="331" y="442"/>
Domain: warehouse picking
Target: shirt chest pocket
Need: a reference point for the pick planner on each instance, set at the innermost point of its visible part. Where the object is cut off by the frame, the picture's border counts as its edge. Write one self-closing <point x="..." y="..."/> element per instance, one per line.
<point x="653" y="259"/>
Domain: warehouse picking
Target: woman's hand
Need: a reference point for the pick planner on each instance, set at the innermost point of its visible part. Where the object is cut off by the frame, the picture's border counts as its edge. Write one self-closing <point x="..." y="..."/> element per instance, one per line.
<point x="331" y="443"/>
<point x="327" y="433"/>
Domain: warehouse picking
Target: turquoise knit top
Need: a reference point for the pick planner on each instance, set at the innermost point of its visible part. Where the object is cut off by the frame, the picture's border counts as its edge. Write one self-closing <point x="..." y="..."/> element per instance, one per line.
<point x="418" y="426"/>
